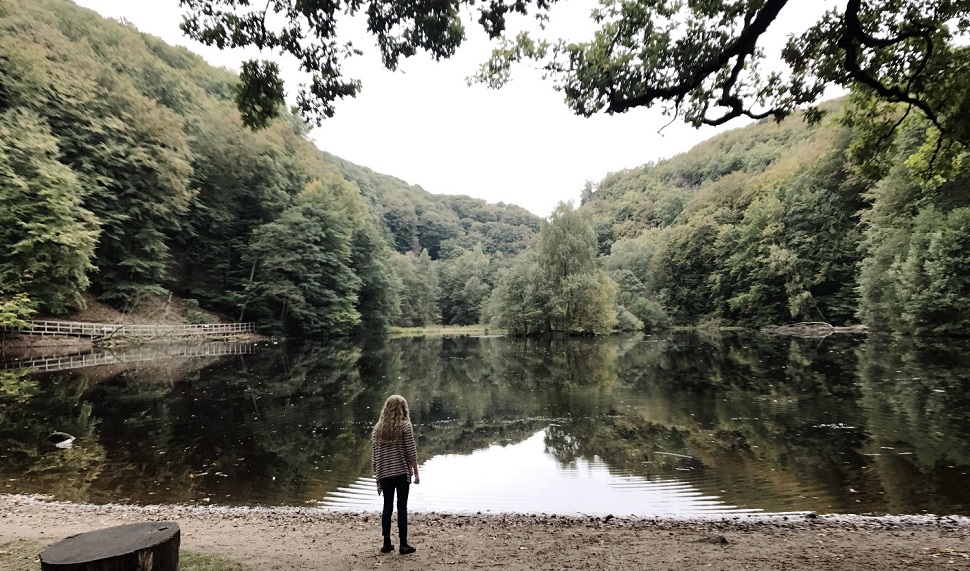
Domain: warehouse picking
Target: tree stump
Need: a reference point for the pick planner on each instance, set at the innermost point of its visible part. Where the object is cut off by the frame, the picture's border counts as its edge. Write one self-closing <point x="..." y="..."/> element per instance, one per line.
<point x="148" y="546"/>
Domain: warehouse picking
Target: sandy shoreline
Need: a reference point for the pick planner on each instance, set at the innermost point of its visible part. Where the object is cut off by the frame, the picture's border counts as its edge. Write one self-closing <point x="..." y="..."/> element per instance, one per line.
<point x="301" y="538"/>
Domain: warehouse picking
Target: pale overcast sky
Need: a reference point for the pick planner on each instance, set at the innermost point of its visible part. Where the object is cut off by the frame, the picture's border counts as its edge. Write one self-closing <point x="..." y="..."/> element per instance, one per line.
<point x="423" y="124"/>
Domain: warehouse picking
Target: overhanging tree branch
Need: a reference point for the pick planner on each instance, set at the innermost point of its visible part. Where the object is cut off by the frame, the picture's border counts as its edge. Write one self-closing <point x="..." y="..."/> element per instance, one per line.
<point x="742" y="47"/>
<point x="853" y="35"/>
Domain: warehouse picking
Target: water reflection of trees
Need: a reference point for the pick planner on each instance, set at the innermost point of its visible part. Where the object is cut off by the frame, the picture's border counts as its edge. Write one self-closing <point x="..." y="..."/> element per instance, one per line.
<point x="919" y="402"/>
<point x="272" y="428"/>
<point x="730" y="406"/>
<point x="29" y="412"/>
<point x="467" y="393"/>
<point x="754" y="418"/>
<point x="765" y="419"/>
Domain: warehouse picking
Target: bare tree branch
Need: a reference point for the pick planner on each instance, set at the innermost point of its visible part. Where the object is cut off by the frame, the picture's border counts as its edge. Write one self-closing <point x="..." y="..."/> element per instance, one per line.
<point x="738" y="110"/>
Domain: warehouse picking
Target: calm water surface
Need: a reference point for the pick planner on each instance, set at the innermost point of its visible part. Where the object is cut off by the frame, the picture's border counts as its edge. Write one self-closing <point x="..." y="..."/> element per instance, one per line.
<point x="683" y="424"/>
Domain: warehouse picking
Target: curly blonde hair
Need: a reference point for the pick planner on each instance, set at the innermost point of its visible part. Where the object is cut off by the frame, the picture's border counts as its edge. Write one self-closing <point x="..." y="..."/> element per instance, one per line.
<point x="394" y="416"/>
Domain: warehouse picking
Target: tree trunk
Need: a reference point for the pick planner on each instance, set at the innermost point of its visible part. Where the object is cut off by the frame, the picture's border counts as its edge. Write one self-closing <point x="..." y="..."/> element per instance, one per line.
<point x="252" y="274"/>
<point x="148" y="546"/>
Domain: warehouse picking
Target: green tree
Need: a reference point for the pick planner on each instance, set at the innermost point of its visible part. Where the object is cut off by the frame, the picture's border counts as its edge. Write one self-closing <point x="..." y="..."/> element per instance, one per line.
<point x="638" y="256"/>
<point x="754" y="263"/>
<point x="15" y="309"/>
<point x="140" y="158"/>
<point x="304" y="282"/>
<point x="420" y="292"/>
<point x="561" y="286"/>
<point x="913" y="270"/>
<point x="379" y="297"/>
<point x="436" y="226"/>
<point x="639" y="310"/>
<point x="517" y="304"/>
<point x="244" y="180"/>
<point x="684" y="267"/>
<point x="402" y="222"/>
<point x="129" y="152"/>
<point x="464" y="286"/>
<point x="932" y="274"/>
<point x="581" y="295"/>
<point x="48" y="238"/>
<point x="704" y="61"/>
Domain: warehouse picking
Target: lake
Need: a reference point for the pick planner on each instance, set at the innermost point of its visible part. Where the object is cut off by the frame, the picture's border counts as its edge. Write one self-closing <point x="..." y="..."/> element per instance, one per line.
<point x="684" y="424"/>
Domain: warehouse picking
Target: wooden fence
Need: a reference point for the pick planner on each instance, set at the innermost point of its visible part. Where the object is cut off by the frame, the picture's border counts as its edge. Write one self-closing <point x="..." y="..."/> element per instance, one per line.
<point x="132" y="355"/>
<point x="103" y="330"/>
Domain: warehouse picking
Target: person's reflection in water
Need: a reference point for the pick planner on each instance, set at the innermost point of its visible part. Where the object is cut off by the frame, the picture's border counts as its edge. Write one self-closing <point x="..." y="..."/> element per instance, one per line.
<point x="394" y="458"/>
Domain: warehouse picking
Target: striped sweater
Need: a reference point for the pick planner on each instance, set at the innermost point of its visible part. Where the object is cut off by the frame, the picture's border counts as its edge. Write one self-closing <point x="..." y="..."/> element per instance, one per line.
<point x="394" y="458"/>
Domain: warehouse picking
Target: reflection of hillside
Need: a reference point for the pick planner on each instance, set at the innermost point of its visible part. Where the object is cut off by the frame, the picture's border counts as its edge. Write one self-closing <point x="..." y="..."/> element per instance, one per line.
<point x="759" y="422"/>
<point x="469" y="393"/>
<point x="919" y="416"/>
<point x="28" y="417"/>
<point x="725" y="413"/>
<point x="759" y="414"/>
<point x="788" y="424"/>
<point x="241" y="428"/>
<point x="710" y="400"/>
<point x="269" y="430"/>
<point x="475" y="380"/>
<point x="720" y="464"/>
<point x="465" y="438"/>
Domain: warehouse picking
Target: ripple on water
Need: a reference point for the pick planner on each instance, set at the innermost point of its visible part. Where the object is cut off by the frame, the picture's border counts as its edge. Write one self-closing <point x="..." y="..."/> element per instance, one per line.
<point x="524" y="478"/>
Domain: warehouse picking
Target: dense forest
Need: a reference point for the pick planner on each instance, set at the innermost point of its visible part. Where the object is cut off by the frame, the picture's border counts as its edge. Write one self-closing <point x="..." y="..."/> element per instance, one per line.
<point x="126" y="171"/>
<point x="785" y="222"/>
<point x="771" y="223"/>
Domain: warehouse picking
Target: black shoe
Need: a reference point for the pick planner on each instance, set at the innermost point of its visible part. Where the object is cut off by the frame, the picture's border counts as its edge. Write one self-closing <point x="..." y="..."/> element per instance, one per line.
<point x="405" y="549"/>
<point x="387" y="547"/>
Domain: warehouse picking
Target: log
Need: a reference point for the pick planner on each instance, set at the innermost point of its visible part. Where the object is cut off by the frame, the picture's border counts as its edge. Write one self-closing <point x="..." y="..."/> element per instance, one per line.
<point x="147" y="546"/>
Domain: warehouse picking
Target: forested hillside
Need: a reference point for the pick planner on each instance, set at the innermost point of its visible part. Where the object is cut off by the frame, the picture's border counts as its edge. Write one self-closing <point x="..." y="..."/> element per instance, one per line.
<point x="775" y="223"/>
<point x="125" y="170"/>
<point x="772" y="223"/>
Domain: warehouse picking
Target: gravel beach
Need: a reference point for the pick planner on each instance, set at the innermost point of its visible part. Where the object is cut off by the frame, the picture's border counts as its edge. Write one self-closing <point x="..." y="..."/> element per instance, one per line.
<point x="301" y="538"/>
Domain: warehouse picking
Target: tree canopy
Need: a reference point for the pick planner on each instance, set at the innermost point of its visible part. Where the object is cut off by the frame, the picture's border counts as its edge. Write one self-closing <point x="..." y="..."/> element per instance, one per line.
<point x="558" y="286"/>
<point x="126" y="172"/>
<point x="705" y="62"/>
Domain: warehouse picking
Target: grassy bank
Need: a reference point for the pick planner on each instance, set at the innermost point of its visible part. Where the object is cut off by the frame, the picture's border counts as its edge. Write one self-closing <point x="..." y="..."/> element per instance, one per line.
<point x="445" y="330"/>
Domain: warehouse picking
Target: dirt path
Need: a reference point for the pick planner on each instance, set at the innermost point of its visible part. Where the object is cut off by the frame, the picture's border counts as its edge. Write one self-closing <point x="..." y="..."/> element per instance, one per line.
<point x="313" y="539"/>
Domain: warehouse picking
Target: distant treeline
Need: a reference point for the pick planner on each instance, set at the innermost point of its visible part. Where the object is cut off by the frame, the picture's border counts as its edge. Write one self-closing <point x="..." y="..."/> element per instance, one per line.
<point x="125" y="171"/>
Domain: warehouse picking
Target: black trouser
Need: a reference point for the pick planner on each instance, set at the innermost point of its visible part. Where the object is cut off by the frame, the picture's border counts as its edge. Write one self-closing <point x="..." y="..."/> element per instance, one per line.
<point x="401" y="484"/>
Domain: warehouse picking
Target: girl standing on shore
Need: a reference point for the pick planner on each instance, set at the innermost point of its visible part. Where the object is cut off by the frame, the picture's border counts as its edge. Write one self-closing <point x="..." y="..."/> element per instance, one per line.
<point x="394" y="459"/>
